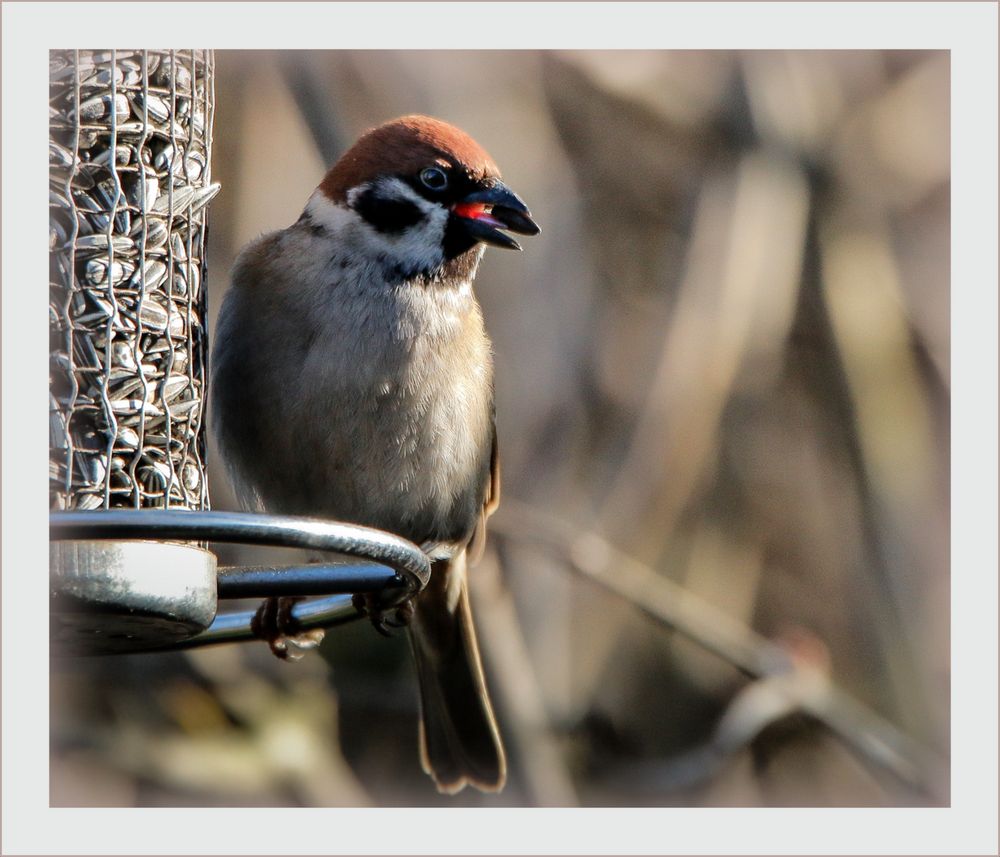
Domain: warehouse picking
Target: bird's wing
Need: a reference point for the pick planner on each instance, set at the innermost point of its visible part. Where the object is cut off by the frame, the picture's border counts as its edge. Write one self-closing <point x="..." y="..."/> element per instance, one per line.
<point x="491" y="499"/>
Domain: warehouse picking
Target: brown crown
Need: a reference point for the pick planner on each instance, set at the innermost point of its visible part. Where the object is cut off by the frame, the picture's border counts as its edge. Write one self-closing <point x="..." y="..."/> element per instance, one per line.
<point x="404" y="146"/>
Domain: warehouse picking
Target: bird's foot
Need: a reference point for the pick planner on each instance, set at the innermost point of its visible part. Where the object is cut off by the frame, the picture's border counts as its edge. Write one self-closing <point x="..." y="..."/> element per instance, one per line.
<point x="275" y="624"/>
<point x="385" y="620"/>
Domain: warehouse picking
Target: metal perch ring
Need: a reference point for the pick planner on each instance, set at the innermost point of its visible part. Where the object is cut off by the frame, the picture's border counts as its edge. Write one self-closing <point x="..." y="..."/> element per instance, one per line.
<point x="388" y="564"/>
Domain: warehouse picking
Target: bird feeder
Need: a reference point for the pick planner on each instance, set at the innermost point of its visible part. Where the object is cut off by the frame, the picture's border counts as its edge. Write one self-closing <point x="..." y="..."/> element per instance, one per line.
<point x="130" y="151"/>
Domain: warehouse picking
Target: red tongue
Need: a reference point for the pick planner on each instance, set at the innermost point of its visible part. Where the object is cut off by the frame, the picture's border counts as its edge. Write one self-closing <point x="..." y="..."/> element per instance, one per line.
<point x="471" y="210"/>
<point x="476" y="211"/>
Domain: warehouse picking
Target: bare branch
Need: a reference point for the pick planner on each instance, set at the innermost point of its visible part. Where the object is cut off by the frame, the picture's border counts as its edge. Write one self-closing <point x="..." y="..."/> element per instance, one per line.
<point x="789" y="683"/>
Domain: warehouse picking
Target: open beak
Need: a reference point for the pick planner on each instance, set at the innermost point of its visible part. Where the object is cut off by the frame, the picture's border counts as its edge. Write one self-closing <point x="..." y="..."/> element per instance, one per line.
<point x="485" y="212"/>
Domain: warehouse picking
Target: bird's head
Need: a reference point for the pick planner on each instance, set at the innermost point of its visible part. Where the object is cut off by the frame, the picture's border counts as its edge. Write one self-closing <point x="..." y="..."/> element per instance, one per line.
<point x="422" y="194"/>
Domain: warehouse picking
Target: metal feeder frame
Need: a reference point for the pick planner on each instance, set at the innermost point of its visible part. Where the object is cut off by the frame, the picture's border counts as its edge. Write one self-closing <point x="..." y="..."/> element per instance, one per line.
<point x="113" y="612"/>
<point x="130" y="145"/>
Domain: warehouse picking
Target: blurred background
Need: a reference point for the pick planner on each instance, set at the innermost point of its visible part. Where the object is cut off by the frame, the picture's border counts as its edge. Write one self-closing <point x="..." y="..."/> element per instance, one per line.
<point x="719" y="574"/>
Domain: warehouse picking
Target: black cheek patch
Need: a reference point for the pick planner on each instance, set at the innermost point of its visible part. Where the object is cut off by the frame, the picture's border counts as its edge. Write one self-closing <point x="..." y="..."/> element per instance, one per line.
<point x="387" y="215"/>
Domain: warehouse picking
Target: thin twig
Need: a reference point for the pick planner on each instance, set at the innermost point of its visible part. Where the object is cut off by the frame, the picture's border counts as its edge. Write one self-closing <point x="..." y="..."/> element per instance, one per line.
<point x="536" y="754"/>
<point x="870" y="736"/>
<point x="659" y="598"/>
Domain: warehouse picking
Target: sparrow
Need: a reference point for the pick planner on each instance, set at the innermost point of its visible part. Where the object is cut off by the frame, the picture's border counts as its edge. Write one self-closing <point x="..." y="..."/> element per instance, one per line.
<point x="353" y="380"/>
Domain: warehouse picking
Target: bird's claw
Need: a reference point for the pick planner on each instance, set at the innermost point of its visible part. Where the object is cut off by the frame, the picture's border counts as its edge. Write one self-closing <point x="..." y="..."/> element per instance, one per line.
<point x="385" y="621"/>
<point x="274" y="623"/>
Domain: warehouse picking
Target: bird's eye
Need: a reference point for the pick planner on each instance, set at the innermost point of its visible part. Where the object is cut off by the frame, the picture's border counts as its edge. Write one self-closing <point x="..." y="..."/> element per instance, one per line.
<point x="434" y="179"/>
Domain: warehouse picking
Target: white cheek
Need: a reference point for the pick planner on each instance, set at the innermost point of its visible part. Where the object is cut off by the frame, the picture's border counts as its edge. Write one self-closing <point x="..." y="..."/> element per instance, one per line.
<point x="418" y="247"/>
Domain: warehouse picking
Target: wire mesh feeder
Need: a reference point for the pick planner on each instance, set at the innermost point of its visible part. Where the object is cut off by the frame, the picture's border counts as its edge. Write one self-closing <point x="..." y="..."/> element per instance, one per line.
<point x="130" y="144"/>
<point x="129" y="157"/>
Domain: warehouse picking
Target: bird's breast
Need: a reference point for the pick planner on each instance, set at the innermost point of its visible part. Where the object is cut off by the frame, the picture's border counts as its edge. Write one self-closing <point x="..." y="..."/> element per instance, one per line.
<point x="398" y="398"/>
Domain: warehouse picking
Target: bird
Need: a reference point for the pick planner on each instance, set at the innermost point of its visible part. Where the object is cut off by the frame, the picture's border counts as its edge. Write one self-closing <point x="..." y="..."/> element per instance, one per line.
<point x="352" y="380"/>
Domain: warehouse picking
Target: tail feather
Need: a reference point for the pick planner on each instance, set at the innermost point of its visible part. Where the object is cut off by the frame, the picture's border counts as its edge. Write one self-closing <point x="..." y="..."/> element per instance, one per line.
<point x="459" y="740"/>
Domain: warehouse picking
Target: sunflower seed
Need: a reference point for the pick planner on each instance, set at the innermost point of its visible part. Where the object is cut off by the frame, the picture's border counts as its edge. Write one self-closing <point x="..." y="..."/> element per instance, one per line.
<point x="127" y="389"/>
<point x="129" y="406"/>
<point x="59" y="156"/>
<point x="58" y="439"/>
<point x="177" y="248"/>
<point x="58" y="198"/>
<point x="164" y="158"/>
<point x="106" y="76"/>
<point x="152" y="191"/>
<point x="184" y="409"/>
<point x="121" y="355"/>
<point x="120" y="244"/>
<point x="156" y="233"/>
<point x="133" y="131"/>
<point x="156" y="109"/>
<point x="123" y="155"/>
<point x="191" y="477"/>
<point x="104" y="57"/>
<point x="155" y="476"/>
<point x="179" y="285"/>
<point x="173" y="387"/>
<point x="153" y="316"/>
<point x="61" y="67"/>
<point x="86" y="502"/>
<point x="194" y="166"/>
<point x="180" y="360"/>
<point x="91" y="468"/>
<point x="194" y="281"/>
<point x="88" y="138"/>
<point x="97" y="271"/>
<point x="202" y="197"/>
<point x="108" y="194"/>
<point x="99" y="108"/>
<point x="151" y="275"/>
<point x="128" y="437"/>
<point x="85" y="349"/>
<point x="171" y="67"/>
